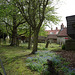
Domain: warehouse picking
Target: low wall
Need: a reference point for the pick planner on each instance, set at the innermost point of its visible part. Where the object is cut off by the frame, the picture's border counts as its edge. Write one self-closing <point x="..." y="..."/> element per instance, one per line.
<point x="70" y="45"/>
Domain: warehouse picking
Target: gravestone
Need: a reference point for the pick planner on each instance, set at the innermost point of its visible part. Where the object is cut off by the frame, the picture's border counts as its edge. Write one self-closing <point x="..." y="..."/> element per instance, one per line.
<point x="70" y="44"/>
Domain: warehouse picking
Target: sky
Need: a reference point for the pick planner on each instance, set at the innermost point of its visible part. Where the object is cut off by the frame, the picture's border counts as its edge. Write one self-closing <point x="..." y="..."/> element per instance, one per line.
<point x="65" y="8"/>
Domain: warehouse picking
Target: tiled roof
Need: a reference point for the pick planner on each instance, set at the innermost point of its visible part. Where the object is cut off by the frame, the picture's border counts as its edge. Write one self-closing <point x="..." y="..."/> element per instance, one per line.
<point x="52" y="31"/>
<point x="51" y="36"/>
<point x="63" y="32"/>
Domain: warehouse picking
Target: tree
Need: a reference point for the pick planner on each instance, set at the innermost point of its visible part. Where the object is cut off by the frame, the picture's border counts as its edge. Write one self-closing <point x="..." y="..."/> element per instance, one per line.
<point x="12" y="18"/>
<point x="26" y="30"/>
<point x="29" y="43"/>
<point x="3" y="32"/>
<point x="33" y="12"/>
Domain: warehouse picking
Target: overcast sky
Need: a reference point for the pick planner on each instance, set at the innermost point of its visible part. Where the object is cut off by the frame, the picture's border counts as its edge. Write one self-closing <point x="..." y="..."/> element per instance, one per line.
<point x="66" y="8"/>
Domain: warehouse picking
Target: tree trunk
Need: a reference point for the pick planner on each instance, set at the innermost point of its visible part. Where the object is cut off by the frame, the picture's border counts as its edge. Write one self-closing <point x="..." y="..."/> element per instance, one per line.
<point x="35" y="41"/>
<point x="0" y="41"/>
<point x="14" y="37"/>
<point x="47" y="44"/>
<point x="29" y="42"/>
<point x="15" y="40"/>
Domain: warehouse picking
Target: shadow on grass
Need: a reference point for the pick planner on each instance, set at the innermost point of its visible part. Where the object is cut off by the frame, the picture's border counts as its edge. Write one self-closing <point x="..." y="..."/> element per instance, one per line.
<point x="10" y="60"/>
<point x="8" y="46"/>
<point x="5" y="48"/>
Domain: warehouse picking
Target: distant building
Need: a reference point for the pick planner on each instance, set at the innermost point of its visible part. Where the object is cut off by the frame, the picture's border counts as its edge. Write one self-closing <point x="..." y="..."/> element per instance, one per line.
<point x="57" y="36"/>
<point x="52" y="35"/>
<point x="54" y="32"/>
<point x="62" y="35"/>
<point x="52" y="38"/>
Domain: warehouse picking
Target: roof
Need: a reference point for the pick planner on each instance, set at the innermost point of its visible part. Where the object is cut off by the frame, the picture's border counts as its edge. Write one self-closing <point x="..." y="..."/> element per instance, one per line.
<point x="41" y="37"/>
<point x="63" y="32"/>
<point x="52" y="31"/>
<point x="52" y="36"/>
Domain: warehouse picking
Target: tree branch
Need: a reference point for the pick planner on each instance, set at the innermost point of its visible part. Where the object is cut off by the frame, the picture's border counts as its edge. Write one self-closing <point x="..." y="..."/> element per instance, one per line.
<point x="21" y="8"/>
<point x="7" y="24"/>
<point x="43" y="13"/>
<point x="21" y="22"/>
<point x="29" y="12"/>
<point x="23" y="33"/>
<point x="8" y="1"/>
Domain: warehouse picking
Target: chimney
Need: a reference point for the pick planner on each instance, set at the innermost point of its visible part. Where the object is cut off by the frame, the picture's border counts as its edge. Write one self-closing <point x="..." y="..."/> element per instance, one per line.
<point x="62" y="26"/>
<point x="56" y="28"/>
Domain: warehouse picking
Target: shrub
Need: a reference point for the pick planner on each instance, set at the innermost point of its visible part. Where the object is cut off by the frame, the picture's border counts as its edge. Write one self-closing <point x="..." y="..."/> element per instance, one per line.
<point x="63" y="46"/>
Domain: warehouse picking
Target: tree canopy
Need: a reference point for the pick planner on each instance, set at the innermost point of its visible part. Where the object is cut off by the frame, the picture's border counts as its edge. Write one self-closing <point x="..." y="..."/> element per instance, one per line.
<point x="35" y="12"/>
<point x="17" y="14"/>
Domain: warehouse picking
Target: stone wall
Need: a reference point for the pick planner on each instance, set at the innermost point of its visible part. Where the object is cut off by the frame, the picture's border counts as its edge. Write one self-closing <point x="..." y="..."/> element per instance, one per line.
<point x="70" y="45"/>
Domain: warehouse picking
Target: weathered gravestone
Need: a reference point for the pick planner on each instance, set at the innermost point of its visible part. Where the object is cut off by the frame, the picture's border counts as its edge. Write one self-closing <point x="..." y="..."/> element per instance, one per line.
<point x="70" y="44"/>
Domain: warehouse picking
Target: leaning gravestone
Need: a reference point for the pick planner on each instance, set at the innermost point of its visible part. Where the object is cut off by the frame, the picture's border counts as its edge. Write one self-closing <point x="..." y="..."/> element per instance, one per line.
<point x="70" y="44"/>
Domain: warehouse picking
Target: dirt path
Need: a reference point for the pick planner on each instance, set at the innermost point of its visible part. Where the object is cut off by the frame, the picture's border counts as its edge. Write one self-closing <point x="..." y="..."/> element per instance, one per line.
<point x="69" y="55"/>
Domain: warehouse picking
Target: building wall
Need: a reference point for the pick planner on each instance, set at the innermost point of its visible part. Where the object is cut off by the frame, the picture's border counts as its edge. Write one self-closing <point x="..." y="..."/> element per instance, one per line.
<point x="53" y="40"/>
<point x="61" y="40"/>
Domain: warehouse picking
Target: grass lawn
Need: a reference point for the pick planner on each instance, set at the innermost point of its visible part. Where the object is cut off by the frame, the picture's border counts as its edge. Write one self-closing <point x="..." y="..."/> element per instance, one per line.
<point x="53" y="46"/>
<point x="14" y="58"/>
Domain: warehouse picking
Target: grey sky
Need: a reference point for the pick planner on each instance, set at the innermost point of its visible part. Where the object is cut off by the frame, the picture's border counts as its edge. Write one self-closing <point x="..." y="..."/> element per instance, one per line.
<point x="66" y="8"/>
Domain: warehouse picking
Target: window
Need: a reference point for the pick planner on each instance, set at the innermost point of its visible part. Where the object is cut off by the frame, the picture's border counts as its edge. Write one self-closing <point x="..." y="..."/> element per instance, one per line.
<point x="51" y="32"/>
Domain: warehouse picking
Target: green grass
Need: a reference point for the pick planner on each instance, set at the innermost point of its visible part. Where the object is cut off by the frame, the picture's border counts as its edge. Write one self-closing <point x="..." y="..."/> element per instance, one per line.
<point x="53" y="46"/>
<point x="13" y="58"/>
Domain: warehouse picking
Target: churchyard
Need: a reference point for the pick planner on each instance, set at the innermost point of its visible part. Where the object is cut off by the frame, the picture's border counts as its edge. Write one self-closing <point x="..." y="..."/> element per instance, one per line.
<point x="19" y="61"/>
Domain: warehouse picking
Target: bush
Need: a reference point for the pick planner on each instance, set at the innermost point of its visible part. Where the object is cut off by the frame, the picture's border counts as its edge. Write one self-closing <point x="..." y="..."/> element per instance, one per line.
<point x="63" y="46"/>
